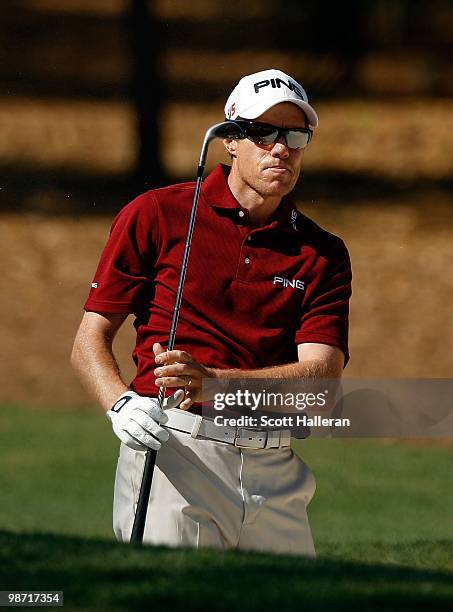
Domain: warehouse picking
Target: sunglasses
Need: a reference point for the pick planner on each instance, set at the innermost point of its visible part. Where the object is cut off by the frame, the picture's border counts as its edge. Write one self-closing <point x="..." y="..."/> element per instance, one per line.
<point x="266" y="133"/>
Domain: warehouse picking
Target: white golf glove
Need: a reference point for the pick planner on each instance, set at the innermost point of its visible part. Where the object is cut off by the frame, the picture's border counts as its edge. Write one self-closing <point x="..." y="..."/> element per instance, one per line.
<point x="137" y="420"/>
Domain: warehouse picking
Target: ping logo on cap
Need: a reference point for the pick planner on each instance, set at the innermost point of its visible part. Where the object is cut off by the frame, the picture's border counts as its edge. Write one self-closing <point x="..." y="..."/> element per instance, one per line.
<point x="276" y="84"/>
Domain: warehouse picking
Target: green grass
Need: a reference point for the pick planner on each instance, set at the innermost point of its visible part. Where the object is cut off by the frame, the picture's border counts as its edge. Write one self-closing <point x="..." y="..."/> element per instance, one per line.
<point x="382" y="491"/>
<point x="57" y="471"/>
<point x="381" y="519"/>
<point x="103" y="575"/>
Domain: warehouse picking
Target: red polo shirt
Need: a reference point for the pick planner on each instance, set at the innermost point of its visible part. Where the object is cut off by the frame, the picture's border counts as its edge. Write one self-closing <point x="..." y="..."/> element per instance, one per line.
<point x="251" y="295"/>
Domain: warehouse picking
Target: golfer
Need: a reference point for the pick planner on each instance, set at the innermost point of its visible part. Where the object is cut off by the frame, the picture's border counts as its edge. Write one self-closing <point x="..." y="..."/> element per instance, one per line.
<point x="266" y="296"/>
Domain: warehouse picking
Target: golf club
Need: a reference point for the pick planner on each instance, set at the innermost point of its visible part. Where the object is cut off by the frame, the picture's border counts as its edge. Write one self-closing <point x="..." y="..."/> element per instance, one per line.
<point x="226" y="129"/>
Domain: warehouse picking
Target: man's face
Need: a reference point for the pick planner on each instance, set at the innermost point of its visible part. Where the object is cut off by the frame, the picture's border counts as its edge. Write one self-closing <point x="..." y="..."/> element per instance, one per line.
<point x="270" y="170"/>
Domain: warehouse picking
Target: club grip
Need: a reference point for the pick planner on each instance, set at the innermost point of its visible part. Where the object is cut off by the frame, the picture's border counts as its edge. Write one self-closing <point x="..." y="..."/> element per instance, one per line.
<point x="143" y="497"/>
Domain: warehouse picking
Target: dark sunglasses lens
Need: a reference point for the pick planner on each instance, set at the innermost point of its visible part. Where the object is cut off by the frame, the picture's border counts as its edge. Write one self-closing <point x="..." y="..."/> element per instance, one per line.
<point x="261" y="134"/>
<point x="297" y="140"/>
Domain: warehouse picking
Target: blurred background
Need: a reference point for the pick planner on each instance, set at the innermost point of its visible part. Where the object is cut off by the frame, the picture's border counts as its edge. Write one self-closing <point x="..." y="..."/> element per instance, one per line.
<point x="103" y="99"/>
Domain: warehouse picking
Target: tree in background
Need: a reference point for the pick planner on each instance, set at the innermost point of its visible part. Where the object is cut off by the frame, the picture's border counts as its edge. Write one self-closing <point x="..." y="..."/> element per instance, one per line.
<point x="146" y="93"/>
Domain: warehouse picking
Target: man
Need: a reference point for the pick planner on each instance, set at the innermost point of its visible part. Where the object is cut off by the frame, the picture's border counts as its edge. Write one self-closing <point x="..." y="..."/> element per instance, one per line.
<point x="224" y="487"/>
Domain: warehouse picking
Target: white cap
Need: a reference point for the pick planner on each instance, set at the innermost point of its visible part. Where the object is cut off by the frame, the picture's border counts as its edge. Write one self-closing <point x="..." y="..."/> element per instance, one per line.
<point x="256" y="93"/>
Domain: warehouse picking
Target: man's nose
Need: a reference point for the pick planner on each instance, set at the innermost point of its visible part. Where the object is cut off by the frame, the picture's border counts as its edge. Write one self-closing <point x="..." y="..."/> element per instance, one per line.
<point x="280" y="148"/>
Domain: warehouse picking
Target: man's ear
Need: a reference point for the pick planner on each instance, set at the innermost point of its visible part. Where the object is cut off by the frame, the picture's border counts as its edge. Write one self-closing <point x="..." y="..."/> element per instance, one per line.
<point x="231" y="146"/>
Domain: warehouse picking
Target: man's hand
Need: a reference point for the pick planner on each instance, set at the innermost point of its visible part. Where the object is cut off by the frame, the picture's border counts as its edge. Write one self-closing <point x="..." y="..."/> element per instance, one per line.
<point x="179" y="369"/>
<point x="137" y="420"/>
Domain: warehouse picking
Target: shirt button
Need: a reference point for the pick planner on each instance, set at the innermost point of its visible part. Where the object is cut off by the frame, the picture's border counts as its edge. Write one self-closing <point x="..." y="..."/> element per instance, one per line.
<point x="247" y="260"/>
<point x="249" y="238"/>
<point x="241" y="213"/>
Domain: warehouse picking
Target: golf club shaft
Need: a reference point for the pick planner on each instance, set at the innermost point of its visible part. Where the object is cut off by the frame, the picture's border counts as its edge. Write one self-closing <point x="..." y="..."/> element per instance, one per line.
<point x="150" y="460"/>
<point x="182" y="275"/>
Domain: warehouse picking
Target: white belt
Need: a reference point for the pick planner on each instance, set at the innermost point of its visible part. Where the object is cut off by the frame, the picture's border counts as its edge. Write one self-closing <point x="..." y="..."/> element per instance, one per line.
<point x="242" y="437"/>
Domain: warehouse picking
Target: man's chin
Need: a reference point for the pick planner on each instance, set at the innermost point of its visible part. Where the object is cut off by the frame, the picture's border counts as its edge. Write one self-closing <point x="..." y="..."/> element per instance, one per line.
<point x="279" y="188"/>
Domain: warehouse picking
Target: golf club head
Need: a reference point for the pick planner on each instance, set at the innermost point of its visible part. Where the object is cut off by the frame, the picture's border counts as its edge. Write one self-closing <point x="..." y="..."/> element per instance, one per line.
<point x="226" y="129"/>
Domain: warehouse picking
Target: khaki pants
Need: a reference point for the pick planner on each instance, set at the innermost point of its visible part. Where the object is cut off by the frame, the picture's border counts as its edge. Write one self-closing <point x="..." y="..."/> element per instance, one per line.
<point x="208" y="494"/>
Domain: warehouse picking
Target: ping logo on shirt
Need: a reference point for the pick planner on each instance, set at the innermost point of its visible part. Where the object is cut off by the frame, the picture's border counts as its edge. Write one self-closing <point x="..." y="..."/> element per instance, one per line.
<point x="277" y="83"/>
<point x="286" y="282"/>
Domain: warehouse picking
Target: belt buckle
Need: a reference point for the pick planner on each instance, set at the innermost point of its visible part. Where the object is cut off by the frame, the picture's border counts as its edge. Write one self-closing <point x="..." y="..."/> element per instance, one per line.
<point x="252" y="446"/>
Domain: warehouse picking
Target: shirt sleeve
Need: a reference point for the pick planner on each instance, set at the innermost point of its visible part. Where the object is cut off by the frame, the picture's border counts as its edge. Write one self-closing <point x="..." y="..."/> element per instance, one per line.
<point x="325" y="314"/>
<point x="124" y="275"/>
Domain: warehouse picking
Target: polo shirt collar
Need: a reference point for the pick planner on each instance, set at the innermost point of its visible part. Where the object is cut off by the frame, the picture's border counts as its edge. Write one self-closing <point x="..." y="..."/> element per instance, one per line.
<point x="215" y="189"/>
<point x="216" y="192"/>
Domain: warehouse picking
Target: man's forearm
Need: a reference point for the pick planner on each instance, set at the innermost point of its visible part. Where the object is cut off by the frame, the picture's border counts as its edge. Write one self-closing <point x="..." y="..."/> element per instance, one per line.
<point x="314" y="370"/>
<point x="97" y="368"/>
<point x="291" y="371"/>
